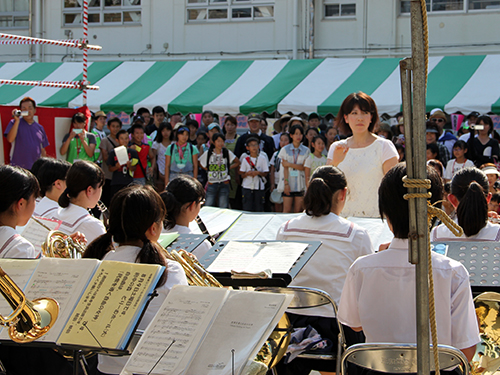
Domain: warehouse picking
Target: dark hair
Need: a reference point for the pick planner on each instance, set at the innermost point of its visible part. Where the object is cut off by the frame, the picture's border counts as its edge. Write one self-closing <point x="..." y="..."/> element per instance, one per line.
<point x="37" y="165"/>
<point x="437" y="165"/>
<point x="391" y="203"/>
<point x="16" y="183"/>
<point x="203" y="134"/>
<point x="135" y="126"/>
<point x="252" y="139"/>
<point x="232" y="120"/>
<point x="311" y="146"/>
<point x="120" y="132"/>
<point x="305" y="141"/>
<point x="214" y="138"/>
<point x="487" y="121"/>
<point x="159" y="136"/>
<point x="115" y="119"/>
<point x="192" y="122"/>
<point x="132" y="212"/>
<point x="207" y="111"/>
<point x="78" y="117"/>
<point x="265" y="120"/>
<point x="179" y="130"/>
<point x="364" y="102"/>
<point x="294" y="128"/>
<point x="400" y="147"/>
<point x="495" y="198"/>
<point x="460" y="144"/>
<point x="158" y="109"/>
<point x="434" y="149"/>
<point x="470" y="187"/>
<point x="325" y="182"/>
<point x="180" y="191"/>
<point x="81" y="175"/>
<point x="286" y="135"/>
<point x="28" y="99"/>
<point x="142" y="110"/>
<point x="51" y="171"/>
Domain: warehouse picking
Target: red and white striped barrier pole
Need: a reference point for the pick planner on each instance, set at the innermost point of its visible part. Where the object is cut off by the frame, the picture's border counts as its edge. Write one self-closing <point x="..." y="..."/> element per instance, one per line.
<point x="61" y="85"/>
<point x="85" y="50"/>
<point x="64" y="43"/>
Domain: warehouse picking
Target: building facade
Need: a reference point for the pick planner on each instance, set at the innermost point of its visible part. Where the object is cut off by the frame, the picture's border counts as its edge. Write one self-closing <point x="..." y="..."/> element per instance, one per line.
<point x="155" y="30"/>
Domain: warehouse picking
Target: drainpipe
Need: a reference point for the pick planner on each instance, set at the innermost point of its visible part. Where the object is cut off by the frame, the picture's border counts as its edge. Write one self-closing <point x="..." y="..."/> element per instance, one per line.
<point x="311" y="29"/>
<point x="38" y="29"/>
<point x="295" y="29"/>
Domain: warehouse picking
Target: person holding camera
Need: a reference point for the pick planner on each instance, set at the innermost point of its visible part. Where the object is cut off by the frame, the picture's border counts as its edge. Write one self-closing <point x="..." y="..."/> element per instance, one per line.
<point x="483" y="149"/>
<point x="28" y="137"/>
<point x="78" y="144"/>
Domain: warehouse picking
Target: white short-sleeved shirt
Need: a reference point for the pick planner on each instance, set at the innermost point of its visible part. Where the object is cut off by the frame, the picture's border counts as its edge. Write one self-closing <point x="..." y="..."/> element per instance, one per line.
<point x="453" y="167"/>
<point x="218" y="166"/>
<point x="276" y="162"/>
<point x="13" y="245"/>
<point x="363" y="168"/>
<point x="490" y="232"/>
<point x="200" y="250"/>
<point x="342" y="243"/>
<point x="175" y="276"/>
<point x="45" y="206"/>
<point x="254" y="183"/>
<point x="379" y="296"/>
<point x="160" y="155"/>
<point x="296" y="178"/>
<point x="77" y="219"/>
<point x="312" y="162"/>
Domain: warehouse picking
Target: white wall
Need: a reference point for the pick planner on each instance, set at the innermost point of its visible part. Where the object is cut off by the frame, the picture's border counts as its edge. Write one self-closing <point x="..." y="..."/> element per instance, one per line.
<point x="378" y="32"/>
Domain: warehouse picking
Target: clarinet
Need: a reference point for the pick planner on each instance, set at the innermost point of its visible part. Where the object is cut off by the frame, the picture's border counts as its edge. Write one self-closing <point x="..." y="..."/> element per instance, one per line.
<point x="204" y="229"/>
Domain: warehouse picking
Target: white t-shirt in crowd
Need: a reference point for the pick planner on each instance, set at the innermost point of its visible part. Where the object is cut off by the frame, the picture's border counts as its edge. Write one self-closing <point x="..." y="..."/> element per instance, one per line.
<point x="218" y="166"/>
<point x="453" y="167"/>
<point x="160" y="155"/>
<point x="379" y="296"/>
<point x="261" y="164"/>
<point x="175" y="276"/>
<point x="13" y="245"/>
<point x="312" y="162"/>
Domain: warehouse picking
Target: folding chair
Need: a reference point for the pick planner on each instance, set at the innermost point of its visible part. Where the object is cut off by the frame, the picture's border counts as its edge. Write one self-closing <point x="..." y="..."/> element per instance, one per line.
<point x="307" y="298"/>
<point x="399" y="358"/>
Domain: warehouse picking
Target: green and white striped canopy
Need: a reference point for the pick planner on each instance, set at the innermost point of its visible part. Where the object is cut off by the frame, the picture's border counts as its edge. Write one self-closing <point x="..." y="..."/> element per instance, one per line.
<point x="456" y="83"/>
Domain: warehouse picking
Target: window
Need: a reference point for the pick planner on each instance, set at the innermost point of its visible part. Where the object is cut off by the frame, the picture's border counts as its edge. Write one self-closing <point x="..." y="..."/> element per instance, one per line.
<point x="229" y="10"/>
<point x="339" y="9"/>
<point x="103" y="12"/>
<point x="454" y="5"/>
<point x="14" y="14"/>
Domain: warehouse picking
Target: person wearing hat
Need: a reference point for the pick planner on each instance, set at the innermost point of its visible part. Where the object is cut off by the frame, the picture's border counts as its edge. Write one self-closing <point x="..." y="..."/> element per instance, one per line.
<point x="279" y="125"/>
<point x="384" y="131"/>
<point x="446" y="138"/>
<point x="98" y="130"/>
<point x="266" y="142"/>
<point x="431" y="136"/>
<point x="491" y="172"/>
<point x="78" y="144"/>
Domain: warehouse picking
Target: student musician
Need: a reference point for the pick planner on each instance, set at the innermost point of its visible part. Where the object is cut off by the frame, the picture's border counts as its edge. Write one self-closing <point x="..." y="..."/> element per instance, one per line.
<point x="183" y="198"/>
<point x="83" y="190"/>
<point x="343" y="242"/>
<point x="52" y="179"/>
<point x="470" y="197"/>
<point x="379" y="292"/>
<point x="135" y="224"/>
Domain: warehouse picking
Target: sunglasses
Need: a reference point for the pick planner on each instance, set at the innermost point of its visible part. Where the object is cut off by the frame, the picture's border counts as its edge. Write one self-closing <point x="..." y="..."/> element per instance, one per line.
<point x="437" y="120"/>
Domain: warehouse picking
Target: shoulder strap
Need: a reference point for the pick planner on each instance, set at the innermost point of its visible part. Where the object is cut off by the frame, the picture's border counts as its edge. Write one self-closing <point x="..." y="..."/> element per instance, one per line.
<point x="225" y="154"/>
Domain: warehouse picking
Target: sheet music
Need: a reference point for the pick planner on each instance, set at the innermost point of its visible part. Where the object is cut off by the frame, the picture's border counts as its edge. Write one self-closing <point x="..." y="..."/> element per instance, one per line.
<point x="64" y="280"/>
<point x="378" y="230"/>
<point x="111" y="304"/>
<point x="256" y="227"/>
<point x="20" y="271"/>
<point x="255" y="257"/>
<point x="217" y="220"/>
<point x="184" y="316"/>
<point x="37" y="234"/>
<point x="241" y="324"/>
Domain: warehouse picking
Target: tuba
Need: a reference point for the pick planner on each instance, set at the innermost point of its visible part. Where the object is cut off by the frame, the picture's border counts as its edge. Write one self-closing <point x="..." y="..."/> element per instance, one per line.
<point x="60" y="245"/>
<point x="30" y="320"/>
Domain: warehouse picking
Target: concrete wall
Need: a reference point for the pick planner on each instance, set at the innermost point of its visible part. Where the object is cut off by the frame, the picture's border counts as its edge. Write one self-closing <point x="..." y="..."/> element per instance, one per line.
<point x="377" y="30"/>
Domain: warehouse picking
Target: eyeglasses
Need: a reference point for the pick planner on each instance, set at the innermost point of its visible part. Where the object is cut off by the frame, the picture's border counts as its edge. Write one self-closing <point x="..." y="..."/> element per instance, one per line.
<point x="202" y="202"/>
<point x="437" y="120"/>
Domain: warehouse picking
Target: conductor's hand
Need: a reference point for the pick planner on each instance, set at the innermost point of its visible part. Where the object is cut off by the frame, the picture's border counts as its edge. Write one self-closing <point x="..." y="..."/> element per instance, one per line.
<point x="339" y="154"/>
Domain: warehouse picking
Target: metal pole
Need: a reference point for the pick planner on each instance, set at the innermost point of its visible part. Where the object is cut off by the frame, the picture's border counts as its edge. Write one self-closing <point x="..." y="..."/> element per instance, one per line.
<point x="295" y="29"/>
<point x="416" y="168"/>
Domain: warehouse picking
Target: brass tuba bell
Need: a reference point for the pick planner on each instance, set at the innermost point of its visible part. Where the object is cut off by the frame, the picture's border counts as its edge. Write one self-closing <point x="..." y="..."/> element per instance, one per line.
<point x="30" y="320"/>
<point x="60" y="245"/>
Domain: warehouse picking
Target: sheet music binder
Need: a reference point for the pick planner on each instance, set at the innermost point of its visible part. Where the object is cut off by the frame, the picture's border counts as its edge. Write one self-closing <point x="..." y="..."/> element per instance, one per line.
<point x="482" y="260"/>
<point x="187" y="242"/>
<point x="278" y="279"/>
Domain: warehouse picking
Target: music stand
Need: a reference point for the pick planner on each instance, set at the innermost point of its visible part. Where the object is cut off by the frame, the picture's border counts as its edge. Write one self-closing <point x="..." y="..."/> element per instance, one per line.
<point x="482" y="260"/>
<point x="187" y="242"/>
<point x="278" y="279"/>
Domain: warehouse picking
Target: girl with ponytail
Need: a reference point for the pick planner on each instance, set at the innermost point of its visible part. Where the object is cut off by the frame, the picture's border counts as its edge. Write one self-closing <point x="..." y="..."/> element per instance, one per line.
<point x="183" y="198"/>
<point x="83" y="190"/>
<point x="470" y="196"/>
<point x="342" y="243"/>
<point x="135" y="223"/>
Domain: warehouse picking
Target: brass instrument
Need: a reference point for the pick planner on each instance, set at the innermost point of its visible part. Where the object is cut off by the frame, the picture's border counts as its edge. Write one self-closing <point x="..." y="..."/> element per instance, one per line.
<point x="30" y="320"/>
<point x="195" y="273"/>
<point x="105" y="212"/>
<point x="60" y="245"/>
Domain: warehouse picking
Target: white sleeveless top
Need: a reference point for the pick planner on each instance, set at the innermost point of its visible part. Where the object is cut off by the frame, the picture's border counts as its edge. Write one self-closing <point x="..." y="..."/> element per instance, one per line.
<point x="363" y="168"/>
